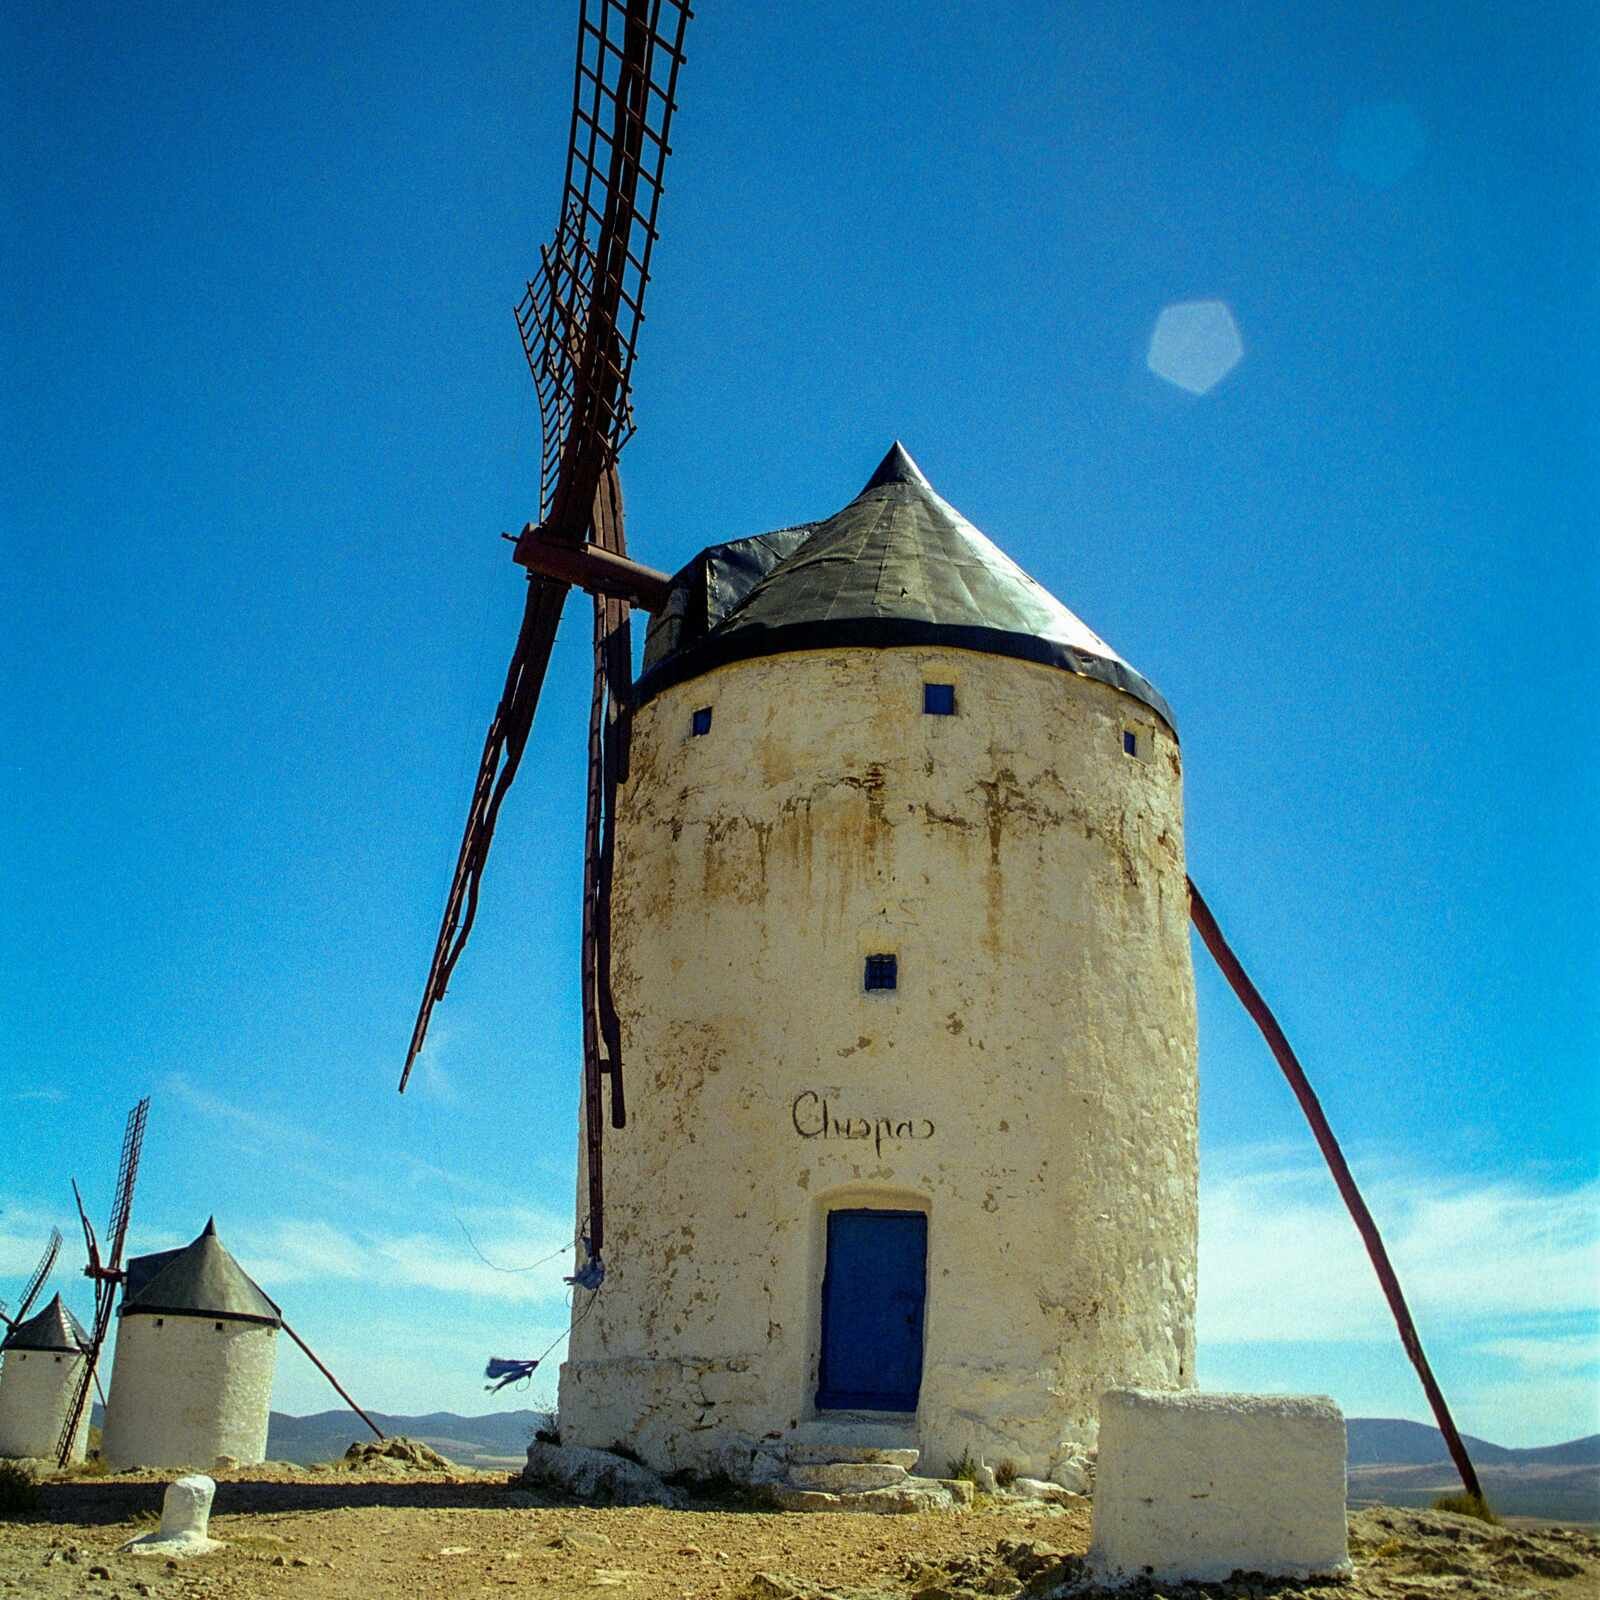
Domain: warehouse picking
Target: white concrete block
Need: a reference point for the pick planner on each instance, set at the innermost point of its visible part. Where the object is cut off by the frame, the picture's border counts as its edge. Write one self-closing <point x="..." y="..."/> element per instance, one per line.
<point x="1193" y="1485"/>
<point x="185" y="1517"/>
<point x="186" y="1506"/>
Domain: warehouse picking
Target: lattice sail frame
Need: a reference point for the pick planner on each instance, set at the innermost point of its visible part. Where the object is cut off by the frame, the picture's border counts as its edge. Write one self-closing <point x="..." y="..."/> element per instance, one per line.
<point x="107" y="1274"/>
<point x="580" y="317"/>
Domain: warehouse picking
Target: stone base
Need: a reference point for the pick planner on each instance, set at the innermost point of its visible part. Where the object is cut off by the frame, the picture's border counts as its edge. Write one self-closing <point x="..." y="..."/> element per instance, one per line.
<point x="1200" y="1486"/>
<point x="910" y="1494"/>
<point x="595" y="1475"/>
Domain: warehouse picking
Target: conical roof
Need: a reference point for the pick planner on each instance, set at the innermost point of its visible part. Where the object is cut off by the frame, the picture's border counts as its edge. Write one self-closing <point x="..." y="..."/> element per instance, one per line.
<point x="200" y="1280"/>
<point x="897" y="566"/>
<point x="54" y="1328"/>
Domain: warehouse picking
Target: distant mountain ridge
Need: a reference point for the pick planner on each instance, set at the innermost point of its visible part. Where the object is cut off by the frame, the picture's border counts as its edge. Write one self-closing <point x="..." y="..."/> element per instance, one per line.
<point x="495" y="1439"/>
<point x="1387" y="1441"/>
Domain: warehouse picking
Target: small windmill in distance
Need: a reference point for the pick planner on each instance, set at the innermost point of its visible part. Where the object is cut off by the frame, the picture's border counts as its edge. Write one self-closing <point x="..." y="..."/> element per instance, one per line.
<point x="106" y="1272"/>
<point x="36" y="1282"/>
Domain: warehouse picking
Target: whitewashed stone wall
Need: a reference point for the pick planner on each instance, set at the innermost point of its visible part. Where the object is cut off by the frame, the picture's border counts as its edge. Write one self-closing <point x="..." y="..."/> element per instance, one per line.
<point x="1204" y="1485"/>
<point x="185" y="1390"/>
<point x="1030" y="1085"/>
<point x="37" y="1389"/>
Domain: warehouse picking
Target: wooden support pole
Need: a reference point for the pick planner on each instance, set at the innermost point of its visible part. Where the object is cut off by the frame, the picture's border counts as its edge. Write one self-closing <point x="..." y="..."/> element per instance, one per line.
<point x="338" y="1387"/>
<point x="596" y="570"/>
<point x="1277" y="1042"/>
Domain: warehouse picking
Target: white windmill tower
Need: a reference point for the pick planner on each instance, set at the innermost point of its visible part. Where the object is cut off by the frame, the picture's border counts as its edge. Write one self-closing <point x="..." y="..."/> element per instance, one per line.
<point x="42" y="1362"/>
<point x="196" y="1351"/>
<point x="900" y="933"/>
<point x="45" y="1358"/>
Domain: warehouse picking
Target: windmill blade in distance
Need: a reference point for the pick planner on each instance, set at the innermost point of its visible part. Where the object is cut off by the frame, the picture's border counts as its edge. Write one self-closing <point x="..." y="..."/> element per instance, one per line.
<point x="127" y="1176"/>
<point x="41" y="1273"/>
<point x="105" y="1298"/>
<point x="107" y="1274"/>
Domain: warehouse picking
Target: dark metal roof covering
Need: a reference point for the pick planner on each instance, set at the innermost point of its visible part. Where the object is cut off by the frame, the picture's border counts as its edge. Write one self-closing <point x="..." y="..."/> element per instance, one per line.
<point x="897" y="566"/>
<point x="54" y="1328"/>
<point x="200" y="1280"/>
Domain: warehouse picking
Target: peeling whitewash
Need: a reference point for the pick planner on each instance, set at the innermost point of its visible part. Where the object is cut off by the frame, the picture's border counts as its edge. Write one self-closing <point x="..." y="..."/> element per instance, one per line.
<point x="1030" y="1085"/>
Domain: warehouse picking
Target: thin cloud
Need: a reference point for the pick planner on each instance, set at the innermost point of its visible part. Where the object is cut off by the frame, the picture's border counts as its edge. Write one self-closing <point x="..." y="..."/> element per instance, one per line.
<point x="1572" y="1353"/>
<point x="291" y="1140"/>
<point x="52" y="1097"/>
<point x="1280" y="1259"/>
<point x="520" y="1256"/>
<point x="24" y="1233"/>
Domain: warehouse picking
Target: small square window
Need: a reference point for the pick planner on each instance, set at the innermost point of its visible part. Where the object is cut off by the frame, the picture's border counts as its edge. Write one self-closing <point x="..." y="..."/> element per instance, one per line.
<point x="939" y="699"/>
<point x="219" y="1327"/>
<point x="701" y="721"/>
<point x="882" y="972"/>
<point x="1130" y="742"/>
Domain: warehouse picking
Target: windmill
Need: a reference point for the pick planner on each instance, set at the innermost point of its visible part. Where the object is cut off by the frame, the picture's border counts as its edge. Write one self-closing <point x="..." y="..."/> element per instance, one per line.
<point x="579" y="324"/>
<point x="36" y="1282"/>
<point x="106" y="1273"/>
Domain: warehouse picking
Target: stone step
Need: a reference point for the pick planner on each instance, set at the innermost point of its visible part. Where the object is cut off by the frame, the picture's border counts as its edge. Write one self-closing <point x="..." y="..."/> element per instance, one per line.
<point x="826" y="1451"/>
<point x="857" y="1430"/>
<point x="846" y="1476"/>
<point x="915" y="1494"/>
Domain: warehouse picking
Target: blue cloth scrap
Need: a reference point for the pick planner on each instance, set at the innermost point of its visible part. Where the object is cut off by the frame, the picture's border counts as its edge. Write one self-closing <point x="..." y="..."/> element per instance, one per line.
<point x="590" y="1275"/>
<point x="506" y="1372"/>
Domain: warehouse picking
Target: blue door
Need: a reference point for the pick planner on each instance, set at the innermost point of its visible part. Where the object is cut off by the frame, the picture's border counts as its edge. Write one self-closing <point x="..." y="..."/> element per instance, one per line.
<point x="873" y="1290"/>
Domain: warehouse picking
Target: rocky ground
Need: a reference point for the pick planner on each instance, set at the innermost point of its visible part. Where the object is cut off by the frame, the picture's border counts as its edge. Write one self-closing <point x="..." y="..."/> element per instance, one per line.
<point x="406" y="1528"/>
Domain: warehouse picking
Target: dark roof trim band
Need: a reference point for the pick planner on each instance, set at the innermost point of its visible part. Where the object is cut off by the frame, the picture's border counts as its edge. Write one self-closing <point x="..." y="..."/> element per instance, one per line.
<point x="143" y="1310"/>
<point x="721" y="649"/>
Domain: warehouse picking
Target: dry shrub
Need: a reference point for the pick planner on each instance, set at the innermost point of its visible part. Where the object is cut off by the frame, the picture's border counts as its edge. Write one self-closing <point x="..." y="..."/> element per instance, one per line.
<point x="19" y="1490"/>
<point x="1466" y="1505"/>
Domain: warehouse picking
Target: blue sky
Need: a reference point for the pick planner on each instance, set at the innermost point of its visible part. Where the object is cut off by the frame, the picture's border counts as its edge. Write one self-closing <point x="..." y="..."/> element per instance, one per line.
<point x="266" y="414"/>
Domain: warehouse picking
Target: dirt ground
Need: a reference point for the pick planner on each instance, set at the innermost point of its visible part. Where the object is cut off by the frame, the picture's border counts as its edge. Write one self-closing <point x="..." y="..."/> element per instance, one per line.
<point x="314" y="1534"/>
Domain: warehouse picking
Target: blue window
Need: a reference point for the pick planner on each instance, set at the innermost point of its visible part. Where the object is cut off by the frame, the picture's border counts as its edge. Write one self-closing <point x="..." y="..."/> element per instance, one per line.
<point x="701" y="721"/>
<point x="883" y="972"/>
<point x="939" y="699"/>
<point x="1130" y="742"/>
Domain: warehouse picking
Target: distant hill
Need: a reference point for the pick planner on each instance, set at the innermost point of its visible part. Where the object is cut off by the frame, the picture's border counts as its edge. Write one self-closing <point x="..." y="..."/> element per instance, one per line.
<point x="1406" y="1464"/>
<point x="499" y="1439"/>
<point x="1389" y="1442"/>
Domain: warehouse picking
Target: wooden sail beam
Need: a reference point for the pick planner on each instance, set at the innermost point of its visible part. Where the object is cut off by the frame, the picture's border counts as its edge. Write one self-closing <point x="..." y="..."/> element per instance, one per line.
<point x="1250" y="997"/>
<point x="593" y="569"/>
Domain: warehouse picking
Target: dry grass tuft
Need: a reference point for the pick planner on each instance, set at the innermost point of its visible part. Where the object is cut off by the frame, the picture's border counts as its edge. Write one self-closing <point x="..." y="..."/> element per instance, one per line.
<point x="1466" y="1505"/>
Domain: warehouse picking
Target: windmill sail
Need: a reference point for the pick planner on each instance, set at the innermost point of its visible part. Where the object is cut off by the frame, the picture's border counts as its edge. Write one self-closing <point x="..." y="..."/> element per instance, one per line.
<point x="36" y="1281"/>
<point x="107" y="1274"/>
<point x="580" y="318"/>
<point x="579" y="324"/>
